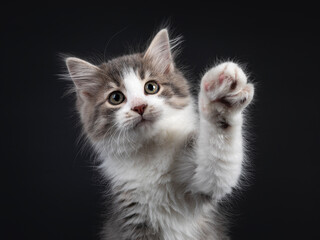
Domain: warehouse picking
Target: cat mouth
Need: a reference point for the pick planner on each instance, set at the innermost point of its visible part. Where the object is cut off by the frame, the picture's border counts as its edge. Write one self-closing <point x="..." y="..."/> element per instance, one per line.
<point x="143" y="122"/>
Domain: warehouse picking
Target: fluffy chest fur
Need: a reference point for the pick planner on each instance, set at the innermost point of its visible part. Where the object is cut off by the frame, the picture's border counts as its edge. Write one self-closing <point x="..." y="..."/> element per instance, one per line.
<point x="146" y="196"/>
<point x="146" y="192"/>
<point x="168" y="165"/>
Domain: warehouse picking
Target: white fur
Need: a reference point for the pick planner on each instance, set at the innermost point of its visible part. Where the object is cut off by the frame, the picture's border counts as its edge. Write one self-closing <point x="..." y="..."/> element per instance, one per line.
<point x="134" y="89"/>
<point x="172" y="164"/>
<point x="146" y="167"/>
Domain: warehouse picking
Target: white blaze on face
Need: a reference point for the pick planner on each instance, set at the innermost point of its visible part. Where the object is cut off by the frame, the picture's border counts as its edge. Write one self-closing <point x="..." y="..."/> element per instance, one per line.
<point x="135" y="96"/>
<point x="135" y="89"/>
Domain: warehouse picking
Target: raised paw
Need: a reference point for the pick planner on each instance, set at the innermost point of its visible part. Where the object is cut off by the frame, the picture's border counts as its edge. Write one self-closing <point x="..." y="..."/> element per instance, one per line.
<point x="225" y="88"/>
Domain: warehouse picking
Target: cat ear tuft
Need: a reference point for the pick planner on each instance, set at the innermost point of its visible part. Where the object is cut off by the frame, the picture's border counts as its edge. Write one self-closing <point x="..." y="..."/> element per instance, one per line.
<point x="159" y="52"/>
<point x="84" y="76"/>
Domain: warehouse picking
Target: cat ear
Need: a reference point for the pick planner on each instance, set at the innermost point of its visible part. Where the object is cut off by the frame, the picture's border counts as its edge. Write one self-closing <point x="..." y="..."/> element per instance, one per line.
<point x="84" y="76"/>
<point x="159" y="52"/>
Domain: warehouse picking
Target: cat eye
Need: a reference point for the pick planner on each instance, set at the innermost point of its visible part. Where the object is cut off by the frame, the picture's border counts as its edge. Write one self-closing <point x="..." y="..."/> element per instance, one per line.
<point x="115" y="98"/>
<point x="151" y="87"/>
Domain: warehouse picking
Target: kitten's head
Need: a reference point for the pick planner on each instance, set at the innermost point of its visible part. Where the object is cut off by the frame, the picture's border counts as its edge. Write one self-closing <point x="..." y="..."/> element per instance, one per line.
<point x="130" y="96"/>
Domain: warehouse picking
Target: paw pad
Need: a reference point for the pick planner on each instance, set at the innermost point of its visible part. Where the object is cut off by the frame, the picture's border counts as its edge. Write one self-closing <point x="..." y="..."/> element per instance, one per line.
<point x="227" y="84"/>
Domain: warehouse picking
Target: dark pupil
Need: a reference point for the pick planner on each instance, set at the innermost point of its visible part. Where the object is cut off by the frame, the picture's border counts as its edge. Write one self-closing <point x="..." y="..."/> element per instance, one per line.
<point x="151" y="87"/>
<point x="116" y="97"/>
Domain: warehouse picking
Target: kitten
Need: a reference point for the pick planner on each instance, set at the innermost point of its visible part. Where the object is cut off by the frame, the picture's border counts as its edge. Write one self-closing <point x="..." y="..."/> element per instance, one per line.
<point x="168" y="165"/>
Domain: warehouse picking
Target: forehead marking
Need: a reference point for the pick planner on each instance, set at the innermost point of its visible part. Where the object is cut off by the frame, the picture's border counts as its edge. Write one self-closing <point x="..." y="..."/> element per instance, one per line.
<point x="133" y="84"/>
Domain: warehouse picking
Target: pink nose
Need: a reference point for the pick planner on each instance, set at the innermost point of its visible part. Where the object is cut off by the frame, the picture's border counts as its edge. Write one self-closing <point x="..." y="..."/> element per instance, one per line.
<point x="140" y="109"/>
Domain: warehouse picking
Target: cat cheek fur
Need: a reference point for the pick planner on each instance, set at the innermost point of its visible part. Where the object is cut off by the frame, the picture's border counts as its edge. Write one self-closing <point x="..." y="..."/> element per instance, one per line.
<point x="167" y="177"/>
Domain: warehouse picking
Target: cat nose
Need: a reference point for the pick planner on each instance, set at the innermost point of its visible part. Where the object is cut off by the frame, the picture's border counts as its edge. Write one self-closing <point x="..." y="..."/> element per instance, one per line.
<point x="140" y="109"/>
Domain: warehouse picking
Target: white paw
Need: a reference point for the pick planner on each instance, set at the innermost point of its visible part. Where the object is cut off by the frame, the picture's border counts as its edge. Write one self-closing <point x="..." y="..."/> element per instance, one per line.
<point x="225" y="87"/>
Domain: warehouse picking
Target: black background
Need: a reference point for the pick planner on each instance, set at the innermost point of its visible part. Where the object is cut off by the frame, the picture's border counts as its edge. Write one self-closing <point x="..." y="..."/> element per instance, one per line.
<point x="50" y="188"/>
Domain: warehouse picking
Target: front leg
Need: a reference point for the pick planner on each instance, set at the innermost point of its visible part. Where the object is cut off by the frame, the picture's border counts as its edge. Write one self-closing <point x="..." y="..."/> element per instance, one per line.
<point x="224" y="94"/>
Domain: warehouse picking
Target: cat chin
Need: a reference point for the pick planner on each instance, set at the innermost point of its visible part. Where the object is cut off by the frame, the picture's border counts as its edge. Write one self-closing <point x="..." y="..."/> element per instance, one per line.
<point x="144" y="124"/>
<point x="146" y="129"/>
